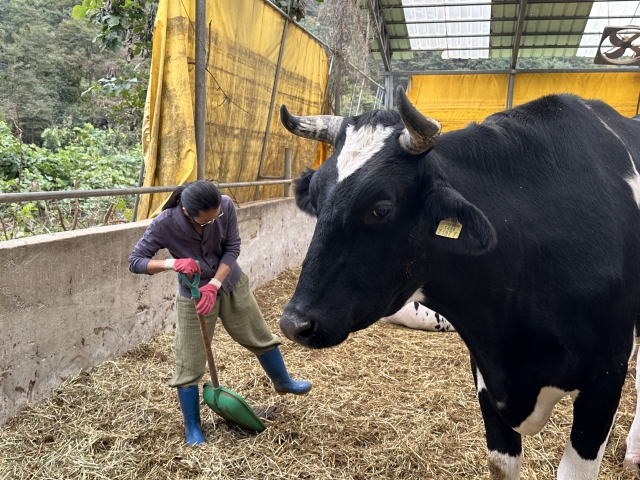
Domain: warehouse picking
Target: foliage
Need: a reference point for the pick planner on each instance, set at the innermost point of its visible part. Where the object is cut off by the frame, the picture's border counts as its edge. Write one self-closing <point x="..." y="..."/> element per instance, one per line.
<point x="296" y="9"/>
<point x="47" y="60"/>
<point x="131" y="92"/>
<point x="124" y="24"/>
<point x="82" y="157"/>
<point x="127" y="23"/>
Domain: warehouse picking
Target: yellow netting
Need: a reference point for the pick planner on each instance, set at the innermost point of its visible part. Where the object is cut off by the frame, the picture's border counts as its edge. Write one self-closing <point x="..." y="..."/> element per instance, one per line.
<point x="456" y="100"/>
<point x="243" y="43"/>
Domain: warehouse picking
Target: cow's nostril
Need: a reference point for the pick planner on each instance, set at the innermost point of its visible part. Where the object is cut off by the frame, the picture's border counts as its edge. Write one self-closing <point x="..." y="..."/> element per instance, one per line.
<point x="295" y="326"/>
<point x="306" y="332"/>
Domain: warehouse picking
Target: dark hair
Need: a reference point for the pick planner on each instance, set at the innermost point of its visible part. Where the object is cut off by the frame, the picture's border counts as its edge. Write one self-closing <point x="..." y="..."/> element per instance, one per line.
<point x="195" y="197"/>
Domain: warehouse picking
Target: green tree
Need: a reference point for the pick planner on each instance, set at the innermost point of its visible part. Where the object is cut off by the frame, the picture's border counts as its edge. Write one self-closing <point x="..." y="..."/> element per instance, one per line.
<point x="46" y="61"/>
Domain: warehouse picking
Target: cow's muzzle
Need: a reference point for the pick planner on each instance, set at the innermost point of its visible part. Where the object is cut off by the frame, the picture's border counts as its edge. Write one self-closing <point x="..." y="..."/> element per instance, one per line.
<point x="296" y="327"/>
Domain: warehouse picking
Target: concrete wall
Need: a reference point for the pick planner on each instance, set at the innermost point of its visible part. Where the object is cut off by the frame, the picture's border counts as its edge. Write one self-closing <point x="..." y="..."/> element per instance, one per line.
<point x="68" y="301"/>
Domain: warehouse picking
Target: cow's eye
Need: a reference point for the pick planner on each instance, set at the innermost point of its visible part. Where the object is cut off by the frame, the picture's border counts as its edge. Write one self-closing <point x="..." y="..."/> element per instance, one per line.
<point x="381" y="210"/>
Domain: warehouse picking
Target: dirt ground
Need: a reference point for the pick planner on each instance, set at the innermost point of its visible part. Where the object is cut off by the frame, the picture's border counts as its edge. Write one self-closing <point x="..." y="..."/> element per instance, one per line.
<point x="389" y="403"/>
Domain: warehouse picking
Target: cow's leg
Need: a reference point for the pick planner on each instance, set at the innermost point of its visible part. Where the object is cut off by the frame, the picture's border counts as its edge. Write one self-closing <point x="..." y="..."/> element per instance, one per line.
<point x="632" y="457"/>
<point x="504" y="445"/>
<point x="594" y="410"/>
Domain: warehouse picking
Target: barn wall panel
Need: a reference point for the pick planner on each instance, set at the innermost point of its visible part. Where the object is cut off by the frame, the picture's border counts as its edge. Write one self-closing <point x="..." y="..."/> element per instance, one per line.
<point x="86" y="307"/>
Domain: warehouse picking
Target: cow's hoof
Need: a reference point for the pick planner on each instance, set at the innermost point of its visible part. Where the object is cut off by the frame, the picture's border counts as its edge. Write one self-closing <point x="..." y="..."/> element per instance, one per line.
<point x="631" y="462"/>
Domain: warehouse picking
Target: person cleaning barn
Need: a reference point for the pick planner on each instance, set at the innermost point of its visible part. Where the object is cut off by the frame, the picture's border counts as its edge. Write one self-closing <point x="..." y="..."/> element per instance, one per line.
<point x="198" y="223"/>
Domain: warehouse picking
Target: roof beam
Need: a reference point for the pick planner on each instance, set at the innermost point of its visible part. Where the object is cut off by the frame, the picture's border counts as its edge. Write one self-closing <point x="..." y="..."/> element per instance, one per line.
<point x="490" y="4"/>
<point x="405" y="73"/>
<point x="497" y="47"/>
<point x="522" y="13"/>
<point x="381" y="32"/>
<point x="495" y="35"/>
<point x="514" y="19"/>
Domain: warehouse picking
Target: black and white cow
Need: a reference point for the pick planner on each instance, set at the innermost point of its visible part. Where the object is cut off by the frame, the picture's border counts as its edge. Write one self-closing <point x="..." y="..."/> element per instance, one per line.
<point x="523" y="231"/>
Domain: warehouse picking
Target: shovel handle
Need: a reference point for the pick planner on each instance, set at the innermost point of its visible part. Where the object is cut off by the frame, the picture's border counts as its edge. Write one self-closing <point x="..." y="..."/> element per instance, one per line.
<point x="207" y="346"/>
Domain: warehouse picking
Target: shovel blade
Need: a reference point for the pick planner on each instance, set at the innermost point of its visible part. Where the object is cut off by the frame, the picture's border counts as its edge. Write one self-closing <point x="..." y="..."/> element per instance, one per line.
<point x="231" y="406"/>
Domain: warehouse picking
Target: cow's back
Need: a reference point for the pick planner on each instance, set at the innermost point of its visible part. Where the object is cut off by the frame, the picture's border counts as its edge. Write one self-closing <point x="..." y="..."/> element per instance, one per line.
<point x="556" y="179"/>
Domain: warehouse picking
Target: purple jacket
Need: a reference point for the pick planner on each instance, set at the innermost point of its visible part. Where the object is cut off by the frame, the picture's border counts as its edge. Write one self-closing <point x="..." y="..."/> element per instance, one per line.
<point x="220" y="243"/>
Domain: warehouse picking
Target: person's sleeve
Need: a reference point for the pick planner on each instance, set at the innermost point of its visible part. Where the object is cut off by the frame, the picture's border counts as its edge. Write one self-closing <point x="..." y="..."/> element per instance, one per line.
<point x="232" y="243"/>
<point x="146" y="248"/>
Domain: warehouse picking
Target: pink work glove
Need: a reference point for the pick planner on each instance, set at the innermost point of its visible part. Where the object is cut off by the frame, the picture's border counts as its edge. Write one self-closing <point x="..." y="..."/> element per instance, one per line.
<point x="208" y="295"/>
<point x="188" y="266"/>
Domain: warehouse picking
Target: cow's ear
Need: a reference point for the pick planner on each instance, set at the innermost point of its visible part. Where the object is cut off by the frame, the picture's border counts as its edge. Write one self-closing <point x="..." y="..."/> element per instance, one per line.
<point x="456" y="225"/>
<point x="303" y="200"/>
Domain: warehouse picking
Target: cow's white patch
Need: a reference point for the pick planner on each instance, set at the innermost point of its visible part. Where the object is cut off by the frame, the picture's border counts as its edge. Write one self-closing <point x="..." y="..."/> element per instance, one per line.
<point x="359" y="146"/>
<point x="634" y="183"/>
<point x="634" y="179"/>
<point x="632" y="457"/>
<point x="504" y="466"/>
<point x="574" y="467"/>
<point x="416" y="315"/>
<point x="480" y="380"/>
<point x="547" y="399"/>
<point x="418" y="296"/>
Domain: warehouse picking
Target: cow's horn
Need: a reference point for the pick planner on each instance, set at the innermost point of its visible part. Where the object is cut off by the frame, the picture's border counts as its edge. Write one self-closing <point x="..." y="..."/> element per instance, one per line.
<point x="420" y="132"/>
<point x="324" y="128"/>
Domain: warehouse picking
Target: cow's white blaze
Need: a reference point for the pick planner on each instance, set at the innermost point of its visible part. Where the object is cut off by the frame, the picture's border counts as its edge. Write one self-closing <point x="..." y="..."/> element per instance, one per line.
<point x="574" y="467"/>
<point x="547" y="399"/>
<point x="632" y="457"/>
<point x="359" y="147"/>
<point x="504" y="466"/>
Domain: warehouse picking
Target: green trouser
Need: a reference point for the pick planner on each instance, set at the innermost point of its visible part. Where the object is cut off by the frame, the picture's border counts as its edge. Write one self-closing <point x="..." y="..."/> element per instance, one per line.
<point x="240" y="317"/>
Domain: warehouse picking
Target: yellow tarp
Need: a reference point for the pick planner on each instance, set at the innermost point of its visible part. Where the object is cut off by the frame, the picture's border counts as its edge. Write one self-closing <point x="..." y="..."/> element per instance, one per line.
<point x="243" y="44"/>
<point x="620" y="90"/>
<point x="456" y="100"/>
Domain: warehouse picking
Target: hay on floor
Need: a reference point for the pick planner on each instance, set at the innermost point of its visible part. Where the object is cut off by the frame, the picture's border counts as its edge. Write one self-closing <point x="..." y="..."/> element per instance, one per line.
<point x="388" y="403"/>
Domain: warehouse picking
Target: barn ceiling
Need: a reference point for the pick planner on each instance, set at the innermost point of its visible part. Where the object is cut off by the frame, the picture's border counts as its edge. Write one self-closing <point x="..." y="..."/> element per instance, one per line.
<point x="495" y="28"/>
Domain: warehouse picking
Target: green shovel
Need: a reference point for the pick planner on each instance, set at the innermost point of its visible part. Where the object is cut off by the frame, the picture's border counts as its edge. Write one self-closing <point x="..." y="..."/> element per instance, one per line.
<point x="226" y="403"/>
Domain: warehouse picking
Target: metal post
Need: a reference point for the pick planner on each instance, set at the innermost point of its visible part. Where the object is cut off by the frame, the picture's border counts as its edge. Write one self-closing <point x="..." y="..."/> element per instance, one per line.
<point x="287" y="171"/>
<point x="375" y="102"/>
<point x="265" y="142"/>
<point x="360" y="97"/>
<point x="388" y="97"/>
<point x="136" y="202"/>
<point x="512" y="79"/>
<point x="353" y="95"/>
<point x="326" y="87"/>
<point x="201" y="85"/>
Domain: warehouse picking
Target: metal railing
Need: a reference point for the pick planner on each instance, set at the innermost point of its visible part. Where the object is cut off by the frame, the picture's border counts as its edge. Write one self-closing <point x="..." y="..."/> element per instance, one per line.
<point x="59" y="195"/>
<point x="285" y="180"/>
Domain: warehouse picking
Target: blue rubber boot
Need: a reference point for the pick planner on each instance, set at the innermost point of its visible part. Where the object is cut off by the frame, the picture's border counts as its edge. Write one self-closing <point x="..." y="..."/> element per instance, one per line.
<point x="273" y="365"/>
<point x="190" y="404"/>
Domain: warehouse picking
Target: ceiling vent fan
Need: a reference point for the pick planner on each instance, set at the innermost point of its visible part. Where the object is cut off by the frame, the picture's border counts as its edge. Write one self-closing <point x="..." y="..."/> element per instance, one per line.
<point x="625" y="41"/>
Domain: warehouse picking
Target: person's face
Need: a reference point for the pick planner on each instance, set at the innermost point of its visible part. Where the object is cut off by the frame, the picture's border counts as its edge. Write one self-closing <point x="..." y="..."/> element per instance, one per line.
<point x="205" y="218"/>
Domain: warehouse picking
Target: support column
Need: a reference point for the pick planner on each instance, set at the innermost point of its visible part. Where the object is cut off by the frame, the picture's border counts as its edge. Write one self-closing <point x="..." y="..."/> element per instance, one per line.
<point x="388" y="93"/>
<point x="201" y="86"/>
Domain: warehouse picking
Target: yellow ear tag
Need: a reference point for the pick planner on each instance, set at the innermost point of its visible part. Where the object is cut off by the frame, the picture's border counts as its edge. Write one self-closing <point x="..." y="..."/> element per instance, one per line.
<point x="449" y="228"/>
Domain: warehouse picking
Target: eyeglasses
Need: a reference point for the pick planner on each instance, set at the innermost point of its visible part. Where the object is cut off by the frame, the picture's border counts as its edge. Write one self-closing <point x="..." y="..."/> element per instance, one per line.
<point x="209" y="222"/>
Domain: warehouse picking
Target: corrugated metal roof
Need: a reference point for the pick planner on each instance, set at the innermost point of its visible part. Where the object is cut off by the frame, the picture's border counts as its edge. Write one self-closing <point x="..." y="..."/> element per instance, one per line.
<point x="485" y="28"/>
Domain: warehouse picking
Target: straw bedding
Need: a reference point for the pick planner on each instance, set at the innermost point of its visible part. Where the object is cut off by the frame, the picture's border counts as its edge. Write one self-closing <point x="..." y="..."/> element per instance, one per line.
<point x="389" y="403"/>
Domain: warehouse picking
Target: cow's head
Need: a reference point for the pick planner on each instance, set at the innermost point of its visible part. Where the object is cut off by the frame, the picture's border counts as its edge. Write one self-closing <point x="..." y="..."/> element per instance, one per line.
<point x="378" y="201"/>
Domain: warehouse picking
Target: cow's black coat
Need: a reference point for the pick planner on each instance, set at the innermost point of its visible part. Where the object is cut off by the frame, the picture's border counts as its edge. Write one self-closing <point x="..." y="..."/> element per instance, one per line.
<point x="543" y="284"/>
